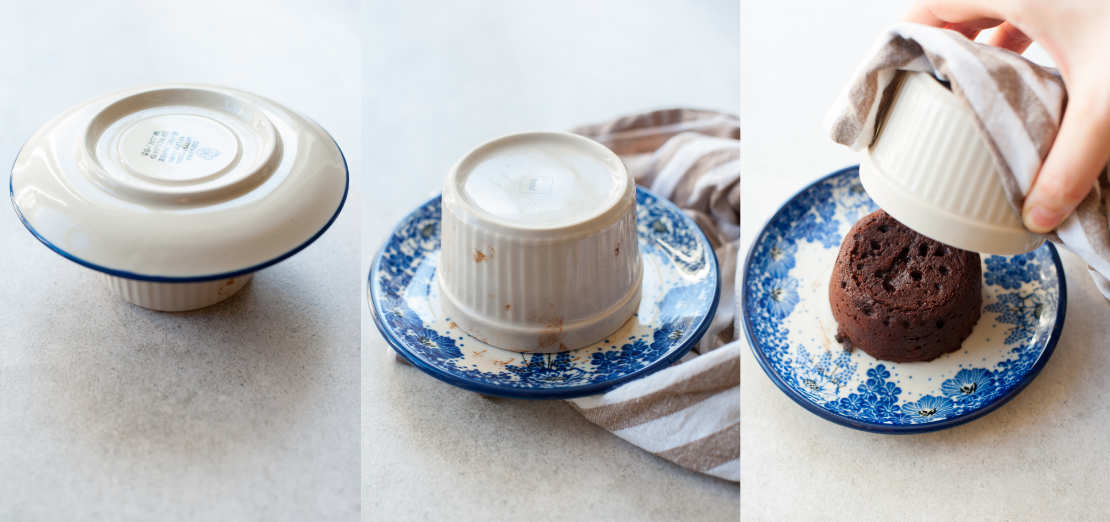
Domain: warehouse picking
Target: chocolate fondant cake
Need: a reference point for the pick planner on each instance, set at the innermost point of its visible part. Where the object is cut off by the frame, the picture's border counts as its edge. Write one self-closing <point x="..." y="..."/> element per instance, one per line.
<point x="901" y="296"/>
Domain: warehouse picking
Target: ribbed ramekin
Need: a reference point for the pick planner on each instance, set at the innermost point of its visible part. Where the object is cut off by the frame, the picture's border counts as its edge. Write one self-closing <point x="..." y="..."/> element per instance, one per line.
<point x="540" y="287"/>
<point x="930" y="167"/>
<point x="174" y="297"/>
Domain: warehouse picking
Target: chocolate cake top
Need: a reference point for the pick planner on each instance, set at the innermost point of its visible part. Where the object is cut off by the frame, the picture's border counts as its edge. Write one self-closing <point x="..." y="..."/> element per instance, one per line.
<point x="901" y="269"/>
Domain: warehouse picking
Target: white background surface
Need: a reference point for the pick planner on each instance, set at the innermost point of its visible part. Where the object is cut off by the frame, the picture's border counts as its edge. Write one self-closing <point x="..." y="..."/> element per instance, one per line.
<point x="440" y="81"/>
<point x="1045" y="455"/>
<point x="244" y="411"/>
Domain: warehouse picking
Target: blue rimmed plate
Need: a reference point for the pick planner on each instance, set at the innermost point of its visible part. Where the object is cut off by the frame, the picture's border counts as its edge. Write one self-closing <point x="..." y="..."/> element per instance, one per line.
<point x="791" y="330"/>
<point x="681" y="287"/>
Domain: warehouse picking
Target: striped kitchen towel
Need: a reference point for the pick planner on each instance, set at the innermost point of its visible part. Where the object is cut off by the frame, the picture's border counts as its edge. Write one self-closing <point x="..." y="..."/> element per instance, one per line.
<point x="1017" y="103"/>
<point x="689" y="413"/>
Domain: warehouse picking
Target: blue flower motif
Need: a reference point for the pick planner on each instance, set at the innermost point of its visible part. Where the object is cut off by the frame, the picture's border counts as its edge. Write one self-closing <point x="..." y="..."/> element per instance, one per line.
<point x="544" y="367"/>
<point x="930" y="407"/>
<point x="976" y="381"/>
<point x="1011" y="272"/>
<point x="780" y="258"/>
<point x="781" y="297"/>
<point x="874" y="399"/>
<point x="825" y="373"/>
<point x="1021" y="310"/>
<point x="428" y="340"/>
<point x="664" y="226"/>
<point x="815" y="223"/>
<point x="676" y="303"/>
<point x="610" y="361"/>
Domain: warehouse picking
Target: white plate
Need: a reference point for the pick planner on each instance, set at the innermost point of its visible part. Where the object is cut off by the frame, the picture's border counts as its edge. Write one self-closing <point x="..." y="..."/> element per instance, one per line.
<point x="178" y="183"/>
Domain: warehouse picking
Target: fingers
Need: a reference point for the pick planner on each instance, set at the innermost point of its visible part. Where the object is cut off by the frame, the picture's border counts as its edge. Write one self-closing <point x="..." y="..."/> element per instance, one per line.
<point x="920" y="13"/>
<point x="1009" y="37"/>
<point x="1078" y="155"/>
<point x="961" y="11"/>
<point x="967" y="17"/>
<point x="1082" y="146"/>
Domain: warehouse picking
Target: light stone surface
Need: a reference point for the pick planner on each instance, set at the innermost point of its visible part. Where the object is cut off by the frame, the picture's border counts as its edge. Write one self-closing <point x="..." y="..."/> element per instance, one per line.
<point x="1045" y="455"/>
<point x="457" y="77"/>
<point x="248" y="410"/>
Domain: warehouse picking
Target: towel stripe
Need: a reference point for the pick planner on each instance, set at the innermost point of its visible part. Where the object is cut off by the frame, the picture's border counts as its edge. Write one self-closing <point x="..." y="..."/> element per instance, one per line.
<point x="689" y="413"/>
<point x="681" y="394"/>
<point x="710" y="416"/>
<point x="707" y="452"/>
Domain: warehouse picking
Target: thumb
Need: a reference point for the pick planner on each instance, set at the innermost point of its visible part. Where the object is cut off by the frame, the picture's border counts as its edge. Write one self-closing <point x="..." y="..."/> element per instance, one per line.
<point x="1077" y="157"/>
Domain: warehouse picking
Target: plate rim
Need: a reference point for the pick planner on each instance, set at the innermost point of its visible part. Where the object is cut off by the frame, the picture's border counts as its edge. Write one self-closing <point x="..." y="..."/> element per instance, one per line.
<point x="151" y="278"/>
<point x="891" y="429"/>
<point x="540" y="393"/>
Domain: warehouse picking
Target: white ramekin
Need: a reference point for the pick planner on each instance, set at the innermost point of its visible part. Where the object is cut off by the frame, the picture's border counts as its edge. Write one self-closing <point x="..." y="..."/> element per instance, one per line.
<point x="930" y="167"/>
<point x="539" y="244"/>
<point x="174" y="297"/>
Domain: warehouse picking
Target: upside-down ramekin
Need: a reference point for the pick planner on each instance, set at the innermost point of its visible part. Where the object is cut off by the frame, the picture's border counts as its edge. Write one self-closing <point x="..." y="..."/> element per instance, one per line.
<point x="539" y="243"/>
<point x="931" y="168"/>
<point x="178" y="193"/>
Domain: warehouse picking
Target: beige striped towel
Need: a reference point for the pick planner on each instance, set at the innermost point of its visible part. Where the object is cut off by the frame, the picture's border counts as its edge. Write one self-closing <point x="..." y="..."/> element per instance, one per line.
<point x="1017" y="103"/>
<point x="688" y="413"/>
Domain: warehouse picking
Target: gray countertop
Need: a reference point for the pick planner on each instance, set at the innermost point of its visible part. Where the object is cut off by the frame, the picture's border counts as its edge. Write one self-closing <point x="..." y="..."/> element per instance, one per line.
<point x="248" y="410"/>
<point x="433" y="451"/>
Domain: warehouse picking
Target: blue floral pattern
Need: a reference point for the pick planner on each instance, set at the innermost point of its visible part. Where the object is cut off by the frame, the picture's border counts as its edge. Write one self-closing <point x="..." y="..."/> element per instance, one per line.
<point x="1022" y="310"/>
<point x="785" y="302"/>
<point x="970" y="386"/>
<point x="1009" y="272"/>
<point x="672" y="315"/>
<point x="928" y="407"/>
<point x="825" y="372"/>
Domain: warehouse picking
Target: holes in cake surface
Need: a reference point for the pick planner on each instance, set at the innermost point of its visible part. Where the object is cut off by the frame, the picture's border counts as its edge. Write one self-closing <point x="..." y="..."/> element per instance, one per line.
<point x="916" y="275"/>
<point x="887" y="286"/>
<point x="922" y="250"/>
<point x="874" y="245"/>
<point x="867" y="311"/>
<point x="937" y="286"/>
<point x="886" y="321"/>
<point x="843" y="284"/>
<point x="899" y="261"/>
<point x="883" y="229"/>
<point x="940" y="324"/>
<point x="943" y="270"/>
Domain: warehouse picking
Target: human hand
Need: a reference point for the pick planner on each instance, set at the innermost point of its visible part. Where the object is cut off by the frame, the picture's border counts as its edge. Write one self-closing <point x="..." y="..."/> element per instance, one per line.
<point x="1073" y="32"/>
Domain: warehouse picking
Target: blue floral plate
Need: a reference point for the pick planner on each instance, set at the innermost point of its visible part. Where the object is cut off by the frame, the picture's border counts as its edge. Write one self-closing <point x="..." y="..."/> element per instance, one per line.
<point x="791" y="329"/>
<point x="680" y="291"/>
